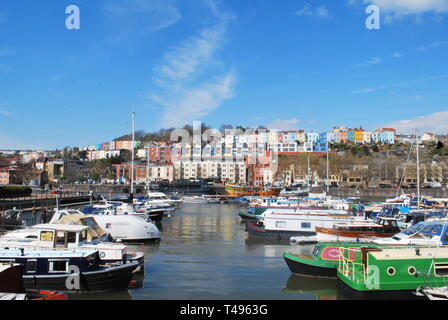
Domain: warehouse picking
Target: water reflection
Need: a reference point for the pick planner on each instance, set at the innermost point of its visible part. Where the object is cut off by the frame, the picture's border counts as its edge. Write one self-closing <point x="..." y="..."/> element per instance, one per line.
<point x="205" y="253"/>
<point x="322" y="289"/>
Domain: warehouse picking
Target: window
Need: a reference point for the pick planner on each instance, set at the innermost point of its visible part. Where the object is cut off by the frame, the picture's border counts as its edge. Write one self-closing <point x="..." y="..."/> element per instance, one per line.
<point x="46" y="236"/>
<point x="31" y="265"/>
<point x="71" y="237"/>
<point x="306" y="225"/>
<point x="60" y="238"/>
<point x="58" y="266"/>
<point x="280" y="224"/>
<point x="441" y="269"/>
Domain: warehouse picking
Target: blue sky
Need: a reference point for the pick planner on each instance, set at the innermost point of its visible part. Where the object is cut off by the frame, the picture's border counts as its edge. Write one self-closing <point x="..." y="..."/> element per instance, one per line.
<point x="307" y="64"/>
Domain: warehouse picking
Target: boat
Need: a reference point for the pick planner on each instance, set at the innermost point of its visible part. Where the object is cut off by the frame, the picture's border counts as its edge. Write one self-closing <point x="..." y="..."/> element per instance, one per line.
<point x="11" y="286"/>
<point x="323" y="261"/>
<point x="160" y="197"/>
<point x="69" y="271"/>
<point x="11" y="220"/>
<point x="240" y="191"/>
<point x="392" y="273"/>
<point x="295" y="191"/>
<point x="284" y="225"/>
<point x="425" y="233"/>
<point x="201" y="199"/>
<point x="60" y="236"/>
<point x="381" y="227"/>
<point x="126" y="228"/>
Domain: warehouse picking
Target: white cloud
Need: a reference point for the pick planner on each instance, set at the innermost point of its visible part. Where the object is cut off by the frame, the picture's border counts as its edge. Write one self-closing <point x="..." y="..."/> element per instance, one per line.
<point x="194" y="103"/>
<point x="5" y="113"/>
<point x="309" y="10"/>
<point x="154" y="14"/>
<point x="398" y="9"/>
<point x="369" y="90"/>
<point x="188" y="86"/>
<point x="370" y="62"/>
<point x="436" y="122"/>
<point x="6" y="52"/>
<point x="280" y="124"/>
<point x="405" y="7"/>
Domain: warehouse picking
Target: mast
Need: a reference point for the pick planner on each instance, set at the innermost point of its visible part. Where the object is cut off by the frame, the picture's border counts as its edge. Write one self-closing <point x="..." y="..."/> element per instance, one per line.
<point x="418" y="171"/>
<point x="147" y="170"/>
<point x="328" y="169"/>
<point x="132" y="161"/>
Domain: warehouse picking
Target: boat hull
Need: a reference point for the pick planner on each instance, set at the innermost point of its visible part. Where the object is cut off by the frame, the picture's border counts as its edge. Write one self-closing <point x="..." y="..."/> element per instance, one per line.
<point x="377" y="295"/>
<point x="105" y="280"/>
<point x="257" y="231"/>
<point x="300" y="267"/>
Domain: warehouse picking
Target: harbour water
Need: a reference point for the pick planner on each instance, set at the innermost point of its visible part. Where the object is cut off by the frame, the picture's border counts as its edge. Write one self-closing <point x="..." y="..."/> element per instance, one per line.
<point x="205" y="254"/>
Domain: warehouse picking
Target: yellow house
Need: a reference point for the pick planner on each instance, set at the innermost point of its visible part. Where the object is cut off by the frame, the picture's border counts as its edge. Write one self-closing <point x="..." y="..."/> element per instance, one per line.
<point x="359" y="135"/>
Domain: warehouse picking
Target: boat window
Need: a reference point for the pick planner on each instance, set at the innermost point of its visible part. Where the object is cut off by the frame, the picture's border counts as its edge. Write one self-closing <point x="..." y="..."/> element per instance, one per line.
<point x="316" y="250"/>
<point x="280" y="224"/>
<point x="306" y="225"/>
<point x="60" y="238"/>
<point x="83" y="236"/>
<point x="31" y="237"/>
<point x="46" y="236"/>
<point x="71" y="237"/>
<point x="58" y="266"/>
<point x="108" y="225"/>
<point x="31" y="265"/>
<point x="441" y="269"/>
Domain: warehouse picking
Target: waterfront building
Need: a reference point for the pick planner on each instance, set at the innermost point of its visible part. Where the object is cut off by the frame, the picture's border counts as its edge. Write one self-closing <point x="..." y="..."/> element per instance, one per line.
<point x="312" y="137"/>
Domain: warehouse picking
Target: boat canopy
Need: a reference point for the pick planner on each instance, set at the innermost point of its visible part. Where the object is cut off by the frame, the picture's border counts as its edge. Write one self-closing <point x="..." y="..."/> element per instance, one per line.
<point x="430" y="228"/>
<point x="94" y="232"/>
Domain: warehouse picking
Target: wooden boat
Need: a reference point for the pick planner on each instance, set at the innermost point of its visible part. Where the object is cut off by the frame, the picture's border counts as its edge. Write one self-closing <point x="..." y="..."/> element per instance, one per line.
<point x="393" y="272"/>
<point x="379" y="228"/>
<point x="240" y="191"/>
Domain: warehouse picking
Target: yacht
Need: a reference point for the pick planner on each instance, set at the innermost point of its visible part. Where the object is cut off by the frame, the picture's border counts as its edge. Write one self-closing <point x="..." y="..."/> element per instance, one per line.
<point x="123" y="227"/>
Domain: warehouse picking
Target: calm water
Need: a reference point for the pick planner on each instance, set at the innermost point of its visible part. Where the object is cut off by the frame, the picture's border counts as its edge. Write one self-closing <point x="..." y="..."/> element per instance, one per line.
<point x="206" y="254"/>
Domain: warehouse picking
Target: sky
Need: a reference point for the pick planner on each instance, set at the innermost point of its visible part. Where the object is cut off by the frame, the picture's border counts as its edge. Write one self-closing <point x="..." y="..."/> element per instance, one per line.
<point x="290" y="64"/>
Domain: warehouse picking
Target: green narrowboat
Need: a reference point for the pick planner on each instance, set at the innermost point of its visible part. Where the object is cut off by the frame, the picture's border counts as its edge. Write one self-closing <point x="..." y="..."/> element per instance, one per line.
<point x="392" y="273"/>
<point x="323" y="261"/>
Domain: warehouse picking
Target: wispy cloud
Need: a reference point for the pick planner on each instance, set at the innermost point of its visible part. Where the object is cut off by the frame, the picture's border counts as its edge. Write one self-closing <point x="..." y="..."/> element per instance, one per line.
<point x="407" y="83"/>
<point x="435" y="122"/>
<point x="6" y="52"/>
<point x="369" y="90"/>
<point x="422" y="48"/>
<point x="282" y="124"/>
<point x="404" y="83"/>
<point x="187" y="81"/>
<point x="367" y="63"/>
<point x="153" y="15"/>
<point x="315" y="11"/>
<point x="5" y="67"/>
<point x="399" y="9"/>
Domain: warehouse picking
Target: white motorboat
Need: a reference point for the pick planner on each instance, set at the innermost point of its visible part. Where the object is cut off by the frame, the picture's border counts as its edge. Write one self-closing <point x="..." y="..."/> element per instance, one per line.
<point x="201" y="199"/>
<point x="120" y="227"/>
<point x="71" y="236"/>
